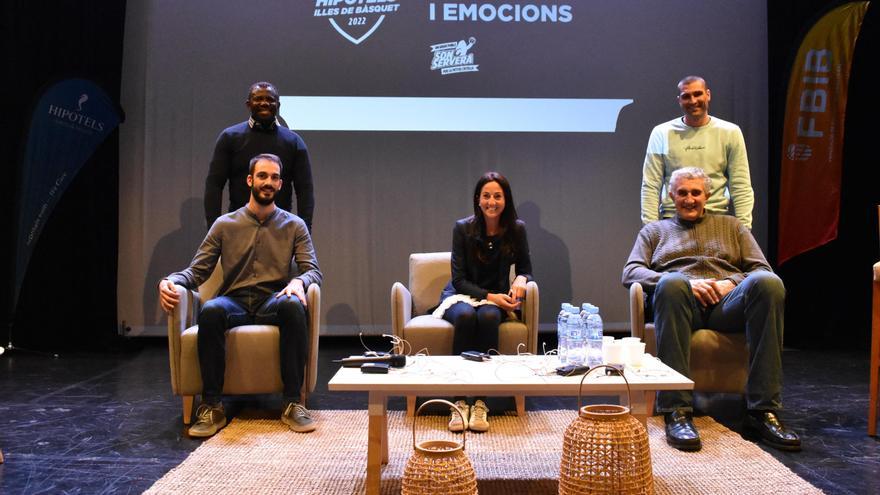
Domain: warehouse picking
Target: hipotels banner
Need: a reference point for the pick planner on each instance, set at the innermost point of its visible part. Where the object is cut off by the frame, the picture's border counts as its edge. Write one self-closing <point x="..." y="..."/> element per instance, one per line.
<point x="69" y="122"/>
<point x="812" y="146"/>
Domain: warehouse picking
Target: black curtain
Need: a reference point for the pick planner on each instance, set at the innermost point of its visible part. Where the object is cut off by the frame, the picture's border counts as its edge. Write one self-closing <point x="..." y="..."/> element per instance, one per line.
<point x="68" y="298"/>
<point x="828" y="302"/>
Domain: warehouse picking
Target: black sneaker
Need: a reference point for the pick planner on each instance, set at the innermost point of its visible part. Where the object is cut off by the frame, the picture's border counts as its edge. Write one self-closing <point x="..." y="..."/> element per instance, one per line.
<point x="210" y="419"/>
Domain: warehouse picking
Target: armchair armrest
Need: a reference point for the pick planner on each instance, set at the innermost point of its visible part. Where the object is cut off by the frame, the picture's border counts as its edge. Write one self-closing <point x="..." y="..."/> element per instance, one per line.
<point x="401" y="308"/>
<point x="530" y="315"/>
<point x="180" y="318"/>
<point x="637" y="310"/>
<point x="313" y="298"/>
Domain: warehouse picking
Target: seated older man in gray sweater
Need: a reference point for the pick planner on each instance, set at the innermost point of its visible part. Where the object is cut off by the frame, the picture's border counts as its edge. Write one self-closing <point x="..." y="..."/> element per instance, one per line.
<point x="706" y="271"/>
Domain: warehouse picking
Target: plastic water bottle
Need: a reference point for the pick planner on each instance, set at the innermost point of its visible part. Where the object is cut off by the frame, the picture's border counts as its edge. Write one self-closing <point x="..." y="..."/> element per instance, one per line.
<point x="562" y="333"/>
<point x="576" y="338"/>
<point x="594" y="334"/>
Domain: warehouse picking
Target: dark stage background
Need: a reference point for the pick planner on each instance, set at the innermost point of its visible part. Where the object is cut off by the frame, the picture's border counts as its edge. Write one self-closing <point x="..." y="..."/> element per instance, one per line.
<point x="384" y="191"/>
<point x="70" y="292"/>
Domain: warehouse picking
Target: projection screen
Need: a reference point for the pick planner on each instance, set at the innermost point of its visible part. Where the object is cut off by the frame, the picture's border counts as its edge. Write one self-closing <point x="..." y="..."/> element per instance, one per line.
<point x="403" y="105"/>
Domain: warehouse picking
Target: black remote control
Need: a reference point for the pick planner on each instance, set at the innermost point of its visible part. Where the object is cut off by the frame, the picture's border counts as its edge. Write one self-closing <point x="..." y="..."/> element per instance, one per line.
<point x="475" y="356"/>
<point x="375" y="368"/>
<point x="571" y="370"/>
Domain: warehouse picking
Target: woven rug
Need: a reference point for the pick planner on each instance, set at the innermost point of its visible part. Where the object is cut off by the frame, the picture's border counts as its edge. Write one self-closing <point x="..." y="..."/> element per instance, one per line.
<point x="519" y="455"/>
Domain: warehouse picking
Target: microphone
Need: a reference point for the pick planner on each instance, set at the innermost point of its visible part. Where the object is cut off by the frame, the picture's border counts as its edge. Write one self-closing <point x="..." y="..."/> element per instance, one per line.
<point x="394" y="360"/>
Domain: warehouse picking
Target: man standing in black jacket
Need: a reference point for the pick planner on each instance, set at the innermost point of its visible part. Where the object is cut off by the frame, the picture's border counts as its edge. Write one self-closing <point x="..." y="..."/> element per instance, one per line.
<point x="261" y="133"/>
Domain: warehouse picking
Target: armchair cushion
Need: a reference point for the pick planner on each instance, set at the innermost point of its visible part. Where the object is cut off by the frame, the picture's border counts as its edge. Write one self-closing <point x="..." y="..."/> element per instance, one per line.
<point x="428" y="274"/>
<point x="253" y="361"/>
<point x="427" y="332"/>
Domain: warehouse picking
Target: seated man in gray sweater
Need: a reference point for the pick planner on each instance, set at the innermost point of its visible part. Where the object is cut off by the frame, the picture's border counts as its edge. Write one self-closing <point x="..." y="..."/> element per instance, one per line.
<point x="268" y="262"/>
<point x="706" y="271"/>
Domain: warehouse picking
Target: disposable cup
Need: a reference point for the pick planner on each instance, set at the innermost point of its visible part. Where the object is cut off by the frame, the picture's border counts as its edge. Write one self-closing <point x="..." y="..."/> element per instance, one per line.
<point x="634" y="353"/>
<point x="613" y="353"/>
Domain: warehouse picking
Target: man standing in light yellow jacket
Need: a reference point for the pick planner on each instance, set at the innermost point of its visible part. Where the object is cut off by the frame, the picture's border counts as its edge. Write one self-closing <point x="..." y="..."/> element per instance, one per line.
<point x="697" y="140"/>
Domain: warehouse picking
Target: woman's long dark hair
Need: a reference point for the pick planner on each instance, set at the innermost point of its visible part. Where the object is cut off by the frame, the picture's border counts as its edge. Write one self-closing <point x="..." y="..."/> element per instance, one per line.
<point x="506" y="224"/>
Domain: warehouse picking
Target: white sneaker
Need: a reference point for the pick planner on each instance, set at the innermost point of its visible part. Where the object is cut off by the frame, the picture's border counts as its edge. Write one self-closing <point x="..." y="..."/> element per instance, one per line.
<point x="456" y="424"/>
<point x="479" y="417"/>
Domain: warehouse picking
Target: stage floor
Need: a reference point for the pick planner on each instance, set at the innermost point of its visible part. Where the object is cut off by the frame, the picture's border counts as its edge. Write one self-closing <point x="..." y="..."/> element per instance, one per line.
<point x="107" y="422"/>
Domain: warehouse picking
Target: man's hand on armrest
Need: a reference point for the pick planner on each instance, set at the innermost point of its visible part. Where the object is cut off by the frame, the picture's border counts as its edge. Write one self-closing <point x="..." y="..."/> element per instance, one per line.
<point x="168" y="296"/>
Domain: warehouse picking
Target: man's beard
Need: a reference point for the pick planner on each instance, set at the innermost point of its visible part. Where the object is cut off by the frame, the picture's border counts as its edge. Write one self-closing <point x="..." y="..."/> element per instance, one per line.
<point x="263" y="200"/>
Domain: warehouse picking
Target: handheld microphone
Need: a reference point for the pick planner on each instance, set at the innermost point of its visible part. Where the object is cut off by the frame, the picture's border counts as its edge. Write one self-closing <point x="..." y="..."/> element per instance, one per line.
<point x="394" y="360"/>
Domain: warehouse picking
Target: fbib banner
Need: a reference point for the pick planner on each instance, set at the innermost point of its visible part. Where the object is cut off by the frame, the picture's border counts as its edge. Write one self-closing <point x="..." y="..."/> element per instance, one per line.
<point x="812" y="145"/>
<point x="70" y="120"/>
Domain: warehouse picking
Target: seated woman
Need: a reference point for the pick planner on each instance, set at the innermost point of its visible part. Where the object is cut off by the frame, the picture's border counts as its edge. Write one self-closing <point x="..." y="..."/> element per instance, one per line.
<point x="480" y="296"/>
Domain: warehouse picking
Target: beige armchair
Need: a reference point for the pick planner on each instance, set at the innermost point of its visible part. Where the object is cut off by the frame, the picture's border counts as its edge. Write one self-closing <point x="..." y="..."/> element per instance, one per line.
<point x="428" y="275"/>
<point x="719" y="361"/>
<point x="253" y="360"/>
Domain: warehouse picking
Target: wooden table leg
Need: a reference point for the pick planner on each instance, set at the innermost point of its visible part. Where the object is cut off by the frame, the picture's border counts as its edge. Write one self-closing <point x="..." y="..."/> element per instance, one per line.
<point x="642" y="405"/>
<point x="410" y="406"/>
<point x="520" y="405"/>
<point x="377" y="444"/>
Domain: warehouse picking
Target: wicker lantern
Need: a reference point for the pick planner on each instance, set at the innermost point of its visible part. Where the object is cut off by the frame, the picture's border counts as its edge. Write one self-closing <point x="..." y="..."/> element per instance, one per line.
<point x="438" y="466"/>
<point x="605" y="451"/>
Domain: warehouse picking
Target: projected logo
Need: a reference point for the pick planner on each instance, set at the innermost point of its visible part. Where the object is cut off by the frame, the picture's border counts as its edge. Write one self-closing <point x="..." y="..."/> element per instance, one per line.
<point x="453" y="57"/>
<point x="355" y="20"/>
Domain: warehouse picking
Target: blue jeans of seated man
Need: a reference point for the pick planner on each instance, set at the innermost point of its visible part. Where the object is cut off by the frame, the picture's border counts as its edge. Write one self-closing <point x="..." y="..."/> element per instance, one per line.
<point x="755" y="306"/>
<point x="223" y="312"/>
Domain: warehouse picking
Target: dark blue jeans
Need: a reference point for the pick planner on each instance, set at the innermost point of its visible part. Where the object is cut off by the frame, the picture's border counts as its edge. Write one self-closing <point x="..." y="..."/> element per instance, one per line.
<point x="756" y="306"/>
<point x="476" y="329"/>
<point x="223" y="313"/>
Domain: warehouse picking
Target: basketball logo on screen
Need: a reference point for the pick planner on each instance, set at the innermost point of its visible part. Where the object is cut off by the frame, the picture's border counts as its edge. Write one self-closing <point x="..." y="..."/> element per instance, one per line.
<point x="355" y="20"/>
<point x="453" y="57"/>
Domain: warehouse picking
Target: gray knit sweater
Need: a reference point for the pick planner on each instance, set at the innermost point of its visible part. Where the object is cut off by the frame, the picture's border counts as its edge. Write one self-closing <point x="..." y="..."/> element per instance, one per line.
<point x="258" y="258"/>
<point x="716" y="246"/>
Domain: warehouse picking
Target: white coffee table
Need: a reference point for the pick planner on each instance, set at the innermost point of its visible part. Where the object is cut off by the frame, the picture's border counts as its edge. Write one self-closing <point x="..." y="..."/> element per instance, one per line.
<point x="501" y="376"/>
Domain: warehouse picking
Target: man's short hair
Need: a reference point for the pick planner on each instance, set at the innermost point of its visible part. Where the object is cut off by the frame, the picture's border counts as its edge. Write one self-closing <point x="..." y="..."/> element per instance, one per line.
<point x="688" y="173"/>
<point x="261" y="85"/>
<point x="693" y="79"/>
<point x="264" y="156"/>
